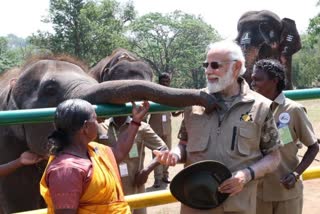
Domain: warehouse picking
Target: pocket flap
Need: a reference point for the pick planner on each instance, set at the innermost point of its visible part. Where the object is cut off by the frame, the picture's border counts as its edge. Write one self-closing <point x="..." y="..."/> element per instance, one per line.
<point x="248" y="130"/>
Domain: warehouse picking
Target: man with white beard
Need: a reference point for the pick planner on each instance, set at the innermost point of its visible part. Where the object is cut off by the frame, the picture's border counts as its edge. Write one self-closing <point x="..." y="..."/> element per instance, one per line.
<point x="242" y="134"/>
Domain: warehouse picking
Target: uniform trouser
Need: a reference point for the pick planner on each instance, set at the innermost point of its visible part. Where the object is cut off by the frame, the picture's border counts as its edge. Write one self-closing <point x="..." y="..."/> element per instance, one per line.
<point x="292" y="206"/>
<point x="218" y="210"/>
<point x="161" y="171"/>
<point x="140" y="211"/>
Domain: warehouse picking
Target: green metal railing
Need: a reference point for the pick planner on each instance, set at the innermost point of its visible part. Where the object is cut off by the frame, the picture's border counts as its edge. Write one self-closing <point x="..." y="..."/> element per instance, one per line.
<point x="46" y="114"/>
<point x="303" y="94"/>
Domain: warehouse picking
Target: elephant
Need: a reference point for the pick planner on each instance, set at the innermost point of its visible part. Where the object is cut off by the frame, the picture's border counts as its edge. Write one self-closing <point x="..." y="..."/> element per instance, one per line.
<point x="121" y="65"/>
<point x="45" y="82"/>
<point x="262" y="34"/>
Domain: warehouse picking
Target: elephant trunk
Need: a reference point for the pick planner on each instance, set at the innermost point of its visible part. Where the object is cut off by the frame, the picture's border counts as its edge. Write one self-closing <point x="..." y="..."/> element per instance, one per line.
<point x="122" y="91"/>
<point x="251" y="54"/>
<point x="287" y="62"/>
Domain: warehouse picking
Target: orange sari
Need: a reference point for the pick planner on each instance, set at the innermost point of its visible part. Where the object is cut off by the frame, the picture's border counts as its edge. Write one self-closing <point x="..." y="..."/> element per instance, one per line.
<point x="104" y="193"/>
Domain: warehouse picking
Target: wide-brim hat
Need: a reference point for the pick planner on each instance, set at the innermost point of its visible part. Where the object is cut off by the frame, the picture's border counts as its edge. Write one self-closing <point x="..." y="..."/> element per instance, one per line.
<point x="197" y="185"/>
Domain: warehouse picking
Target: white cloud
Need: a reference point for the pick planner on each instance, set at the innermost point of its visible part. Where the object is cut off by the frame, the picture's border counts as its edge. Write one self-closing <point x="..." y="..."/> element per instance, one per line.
<point x="22" y="17"/>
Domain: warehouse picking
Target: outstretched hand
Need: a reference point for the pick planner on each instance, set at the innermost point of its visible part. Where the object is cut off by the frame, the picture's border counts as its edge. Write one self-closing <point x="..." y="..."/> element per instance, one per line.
<point x="138" y="112"/>
<point x="167" y="158"/>
<point x="29" y="158"/>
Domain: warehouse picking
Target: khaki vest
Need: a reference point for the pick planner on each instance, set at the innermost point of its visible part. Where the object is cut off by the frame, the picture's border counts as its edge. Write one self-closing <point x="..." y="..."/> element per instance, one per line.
<point x="233" y="141"/>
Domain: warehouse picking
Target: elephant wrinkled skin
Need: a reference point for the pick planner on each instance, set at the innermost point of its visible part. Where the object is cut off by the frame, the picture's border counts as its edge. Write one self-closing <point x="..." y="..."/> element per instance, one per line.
<point x="45" y="82"/>
<point x="262" y="34"/>
<point x="121" y="65"/>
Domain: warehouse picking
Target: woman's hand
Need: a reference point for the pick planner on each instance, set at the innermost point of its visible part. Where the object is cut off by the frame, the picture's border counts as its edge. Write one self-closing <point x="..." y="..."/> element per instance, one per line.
<point x="29" y="158"/>
<point x="138" y="112"/>
<point x="141" y="177"/>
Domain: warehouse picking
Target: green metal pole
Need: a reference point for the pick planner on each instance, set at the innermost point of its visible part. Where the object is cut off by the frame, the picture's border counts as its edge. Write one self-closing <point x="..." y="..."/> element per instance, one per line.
<point x="46" y="114"/>
<point x="303" y="94"/>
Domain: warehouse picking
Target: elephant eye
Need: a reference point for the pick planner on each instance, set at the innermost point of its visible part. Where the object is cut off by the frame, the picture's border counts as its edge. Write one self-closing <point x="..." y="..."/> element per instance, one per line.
<point x="50" y="88"/>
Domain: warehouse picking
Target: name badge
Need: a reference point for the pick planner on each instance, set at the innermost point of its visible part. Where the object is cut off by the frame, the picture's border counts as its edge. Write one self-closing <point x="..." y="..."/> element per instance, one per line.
<point x="164" y="118"/>
<point x="134" y="151"/>
<point x="123" y="168"/>
<point x="285" y="135"/>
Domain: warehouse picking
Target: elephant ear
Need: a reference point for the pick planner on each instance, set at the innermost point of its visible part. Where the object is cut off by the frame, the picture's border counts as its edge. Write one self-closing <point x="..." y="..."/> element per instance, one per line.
<point x="290" y="42"/>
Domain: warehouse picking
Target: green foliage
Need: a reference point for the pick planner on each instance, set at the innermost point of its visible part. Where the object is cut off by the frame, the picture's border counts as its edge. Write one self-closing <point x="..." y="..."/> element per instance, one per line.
<point x="14" y="51"/>
<point x="306" y="64"/>
<point x="10" y="52"/>
<point x="88" y="29"/>
<point x="174" y="43"/>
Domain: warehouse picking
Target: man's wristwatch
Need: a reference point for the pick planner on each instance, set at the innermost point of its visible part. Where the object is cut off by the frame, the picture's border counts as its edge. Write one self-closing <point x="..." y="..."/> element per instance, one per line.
<point x="296" y="175"/>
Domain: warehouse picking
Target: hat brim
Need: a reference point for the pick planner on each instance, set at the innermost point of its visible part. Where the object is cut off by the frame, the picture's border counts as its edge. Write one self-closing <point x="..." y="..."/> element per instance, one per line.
<point x="220" y="172"/>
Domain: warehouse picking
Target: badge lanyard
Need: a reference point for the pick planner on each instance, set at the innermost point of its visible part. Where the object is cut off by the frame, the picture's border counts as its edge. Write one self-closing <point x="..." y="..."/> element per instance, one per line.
<point x="284" y="132"/>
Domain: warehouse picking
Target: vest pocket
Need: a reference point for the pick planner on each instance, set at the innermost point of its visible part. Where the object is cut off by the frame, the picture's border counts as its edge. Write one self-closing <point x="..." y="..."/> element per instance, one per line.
<point x="247" y="138"/>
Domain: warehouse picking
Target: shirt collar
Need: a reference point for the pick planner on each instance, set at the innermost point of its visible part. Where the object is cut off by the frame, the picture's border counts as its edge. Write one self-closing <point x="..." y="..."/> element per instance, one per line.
<point x="280" y="99"/>
<point x="111" y="120"/>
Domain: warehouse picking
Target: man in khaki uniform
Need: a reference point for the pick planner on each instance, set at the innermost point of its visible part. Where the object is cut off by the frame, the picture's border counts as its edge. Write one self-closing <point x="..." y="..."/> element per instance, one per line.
<point x="281" y="191"/>
<point x="242" y="134"/>
<point x="161" y="124"/>
<point x="133" y="174"/>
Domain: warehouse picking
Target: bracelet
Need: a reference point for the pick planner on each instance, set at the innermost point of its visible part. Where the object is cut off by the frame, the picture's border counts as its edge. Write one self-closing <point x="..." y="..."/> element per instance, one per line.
<point x="295" y="175"/>
<point x="135" y="123"/>
<point x="251" y="172"/>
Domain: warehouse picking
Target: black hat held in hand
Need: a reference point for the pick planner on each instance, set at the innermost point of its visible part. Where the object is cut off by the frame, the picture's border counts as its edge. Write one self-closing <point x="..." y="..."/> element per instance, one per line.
<point x="197" y="185"/>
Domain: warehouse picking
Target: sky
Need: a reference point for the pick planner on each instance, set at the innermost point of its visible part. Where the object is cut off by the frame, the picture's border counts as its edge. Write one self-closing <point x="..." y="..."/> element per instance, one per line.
<point x="23" y="17"/>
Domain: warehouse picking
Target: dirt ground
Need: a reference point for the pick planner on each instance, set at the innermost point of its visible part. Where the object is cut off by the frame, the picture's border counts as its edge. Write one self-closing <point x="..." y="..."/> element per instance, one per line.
<point x="311" y="187"/>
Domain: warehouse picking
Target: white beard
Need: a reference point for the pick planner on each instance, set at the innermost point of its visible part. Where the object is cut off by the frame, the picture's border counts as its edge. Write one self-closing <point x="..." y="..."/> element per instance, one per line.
<point x="222" y="83"/>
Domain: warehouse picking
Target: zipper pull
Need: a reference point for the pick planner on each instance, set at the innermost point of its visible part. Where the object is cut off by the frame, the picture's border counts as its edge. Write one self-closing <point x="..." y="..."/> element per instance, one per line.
<point x="218" y="130"/>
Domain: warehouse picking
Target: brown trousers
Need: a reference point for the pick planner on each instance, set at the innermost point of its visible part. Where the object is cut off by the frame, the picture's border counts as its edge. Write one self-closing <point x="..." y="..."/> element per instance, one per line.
<point x="218" y="210"/>
<point x="292" y="206"/>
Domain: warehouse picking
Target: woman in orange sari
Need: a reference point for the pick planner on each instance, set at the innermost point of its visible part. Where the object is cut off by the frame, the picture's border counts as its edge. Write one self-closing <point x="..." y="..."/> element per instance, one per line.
<point x="82" y="176"/>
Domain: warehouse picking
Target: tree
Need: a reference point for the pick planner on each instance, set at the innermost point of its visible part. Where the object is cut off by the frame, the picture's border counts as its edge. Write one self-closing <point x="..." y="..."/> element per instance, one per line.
<point x="88" y="29"/>
<point x="174" y="43"/>
<point x="306" y="64"/>
<point x="8" y="57"/>
<point x="314" y="28"/>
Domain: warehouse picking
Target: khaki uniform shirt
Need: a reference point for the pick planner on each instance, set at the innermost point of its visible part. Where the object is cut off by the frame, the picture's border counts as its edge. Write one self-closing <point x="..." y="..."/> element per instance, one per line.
<point x="294" y="126"/>
<point x="161" y="123"/>
<point x="133" y="163"/>
<point x="244" y="134"/>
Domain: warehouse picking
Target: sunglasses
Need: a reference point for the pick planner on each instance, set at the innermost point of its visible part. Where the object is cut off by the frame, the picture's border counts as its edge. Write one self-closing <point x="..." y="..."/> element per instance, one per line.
<point x="216" y="65"/>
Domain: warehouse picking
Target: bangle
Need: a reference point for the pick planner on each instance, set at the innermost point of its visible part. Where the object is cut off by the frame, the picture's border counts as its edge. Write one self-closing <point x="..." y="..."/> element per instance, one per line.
<point x="135" y="123"/>
<point x="295" y="175"/>
<point x="251" y="172"/>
